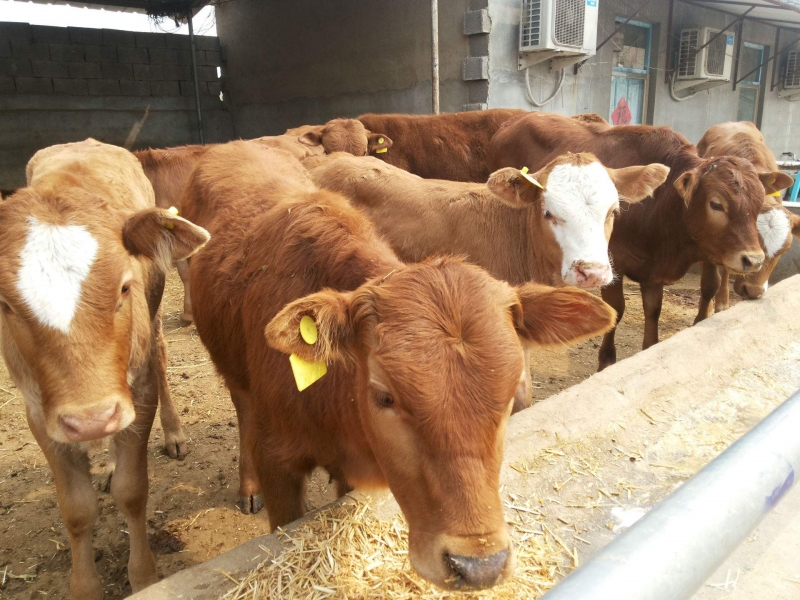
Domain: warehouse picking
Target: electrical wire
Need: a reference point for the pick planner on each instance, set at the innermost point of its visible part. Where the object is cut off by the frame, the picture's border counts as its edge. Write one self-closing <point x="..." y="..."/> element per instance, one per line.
<point x="530" y="94"/>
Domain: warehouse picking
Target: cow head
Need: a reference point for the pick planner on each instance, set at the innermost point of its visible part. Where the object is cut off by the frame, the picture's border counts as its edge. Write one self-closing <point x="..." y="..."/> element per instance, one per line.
<point x="438" y="350"/>
<point x="78" y="304"/>
<point x="572" y="214"/>
<point x="777" y="227"/>
<point x="724" y="197"/>
<point x="344" y="135"/>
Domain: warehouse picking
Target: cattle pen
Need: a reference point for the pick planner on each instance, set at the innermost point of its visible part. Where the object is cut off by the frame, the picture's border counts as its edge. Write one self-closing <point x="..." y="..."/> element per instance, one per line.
<point x="392" y="138"/>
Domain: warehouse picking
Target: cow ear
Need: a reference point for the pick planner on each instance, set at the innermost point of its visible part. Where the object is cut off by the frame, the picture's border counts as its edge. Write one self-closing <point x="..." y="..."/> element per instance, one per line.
<point x="514" y="189"/>
<point x="330" y="313"/>
<point x="162" y="236"/>
<point x="311" y="138"/>
<point x="548" y="316"/>
<point x="639" y="182"/>
<point x="775" y="181"/>
<point x="795" y="222"/>
<point x="377" y="143"/>
<point x="686" y="184"/>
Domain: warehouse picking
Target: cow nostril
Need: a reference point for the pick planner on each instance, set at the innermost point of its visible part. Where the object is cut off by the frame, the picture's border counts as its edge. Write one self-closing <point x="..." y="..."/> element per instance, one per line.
<point x="746" y="262"/>
<point x="477" y="572"/>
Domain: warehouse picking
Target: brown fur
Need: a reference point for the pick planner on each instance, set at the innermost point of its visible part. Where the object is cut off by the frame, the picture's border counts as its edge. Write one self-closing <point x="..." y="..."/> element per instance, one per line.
<point x="110" y="359"/>
<point x="441" y="339"/>
<point x="742" y="139"/>
<point x="169" y="169"/>
<point x="655" y="241"/>
<point x="449" y="146"/>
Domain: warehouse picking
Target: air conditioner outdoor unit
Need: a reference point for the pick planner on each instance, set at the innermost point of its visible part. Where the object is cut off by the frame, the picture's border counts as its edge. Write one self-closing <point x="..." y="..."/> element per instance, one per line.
<point x="709" y="67"/>
<point x="791" y="78"/>
<point x="564" y="31"/>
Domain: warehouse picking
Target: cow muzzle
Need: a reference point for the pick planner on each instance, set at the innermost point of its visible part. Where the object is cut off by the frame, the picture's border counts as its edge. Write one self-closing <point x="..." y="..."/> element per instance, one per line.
<point x="745" y="262"/>
<point x="749" y="291"/>
<point x="464" y="563"/>
<point x="589" y="275"/>
<point x="85" y="423"/>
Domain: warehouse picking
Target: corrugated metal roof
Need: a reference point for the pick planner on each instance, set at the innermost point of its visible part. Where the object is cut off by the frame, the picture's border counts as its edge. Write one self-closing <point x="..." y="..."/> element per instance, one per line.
<point x="778" y="13"/>
<point x="134" y="6"/>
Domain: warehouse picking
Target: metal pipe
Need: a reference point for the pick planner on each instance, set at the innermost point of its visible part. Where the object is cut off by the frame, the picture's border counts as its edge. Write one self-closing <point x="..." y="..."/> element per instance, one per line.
<point x="435" y="56"/>
<point x="668" y="61"/>
<point x="773" y="83"/>
<point x="737" y="53"/>
<point x="194" y="76"/>
<point x="677" y="546"/>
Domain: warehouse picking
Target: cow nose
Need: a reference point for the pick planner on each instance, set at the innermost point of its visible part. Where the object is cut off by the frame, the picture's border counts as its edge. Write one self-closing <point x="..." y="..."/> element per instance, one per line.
<point x="91" y="424"/>
<point x="478" y="572"/>
<point x="752" y="262"/>
<point x="752" y="292"/>
<point x="591" y="275"/>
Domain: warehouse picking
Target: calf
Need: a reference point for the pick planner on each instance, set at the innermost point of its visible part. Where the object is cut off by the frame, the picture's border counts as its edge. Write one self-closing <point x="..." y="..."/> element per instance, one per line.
<point x="423" y="359"/>
<point x="707" y="211"/>
<point x="448" y="146"/>
<point x="776" y="225"/>
<point x="83" y="258"/>
<point x="168" y="169"/>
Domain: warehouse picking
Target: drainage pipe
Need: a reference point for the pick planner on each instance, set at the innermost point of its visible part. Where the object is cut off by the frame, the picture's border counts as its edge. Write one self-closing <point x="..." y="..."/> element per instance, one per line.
<point x="677" y="546"/>
<point x="194" y="77"/>
<point x="435" y="56"/>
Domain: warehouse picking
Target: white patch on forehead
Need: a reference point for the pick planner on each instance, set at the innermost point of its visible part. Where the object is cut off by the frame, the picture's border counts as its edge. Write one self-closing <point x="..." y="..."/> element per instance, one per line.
<point x="580" y="197"/>
<point x="774" y="229"/>
<point x="54" y="263"/>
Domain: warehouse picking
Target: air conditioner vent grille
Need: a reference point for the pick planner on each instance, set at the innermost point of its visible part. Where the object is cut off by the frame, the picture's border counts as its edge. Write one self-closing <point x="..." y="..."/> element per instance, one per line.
<point x="715" y="55"/>
<point x="792" y="78"/>
<point x="531" y="23"/>
<point x="688" y="66"/>
<point x="569" y="22"/>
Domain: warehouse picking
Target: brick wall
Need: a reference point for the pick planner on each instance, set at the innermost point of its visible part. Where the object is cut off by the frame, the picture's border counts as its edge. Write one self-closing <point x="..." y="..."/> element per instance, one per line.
<point x="60" y="84"/>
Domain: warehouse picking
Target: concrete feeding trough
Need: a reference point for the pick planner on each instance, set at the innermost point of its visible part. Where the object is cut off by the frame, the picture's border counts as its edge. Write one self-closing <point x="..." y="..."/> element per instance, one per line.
<point x="580" y="466"/>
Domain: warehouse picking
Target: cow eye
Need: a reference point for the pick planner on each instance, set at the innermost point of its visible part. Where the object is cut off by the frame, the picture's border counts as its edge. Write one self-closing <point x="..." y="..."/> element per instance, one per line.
<point x="548" y="214"/>
<point x="126" y="287"/>
<point x="384" y="399"/>
<point x="716" y="206"/>
<point x="5" y="307"/>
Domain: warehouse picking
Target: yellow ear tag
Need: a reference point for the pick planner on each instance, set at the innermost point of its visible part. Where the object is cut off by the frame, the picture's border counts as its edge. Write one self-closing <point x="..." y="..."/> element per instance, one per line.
<point x="174" y="212"/>
<point x="776" y="194"/>
<point x="308" y="330"/>
<point x="381" y="150"/>
<point x="306" y="373"/>
<point x="524" y="172"/>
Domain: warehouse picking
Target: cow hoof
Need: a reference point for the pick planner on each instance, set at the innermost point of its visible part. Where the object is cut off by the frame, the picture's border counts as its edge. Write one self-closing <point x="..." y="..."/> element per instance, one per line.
<point x="250" y="505"/>
<point x="175" y="445"/>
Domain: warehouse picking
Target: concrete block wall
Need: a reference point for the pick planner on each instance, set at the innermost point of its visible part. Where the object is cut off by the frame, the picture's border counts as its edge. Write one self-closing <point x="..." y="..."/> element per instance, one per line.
<point x="61" y="84"/>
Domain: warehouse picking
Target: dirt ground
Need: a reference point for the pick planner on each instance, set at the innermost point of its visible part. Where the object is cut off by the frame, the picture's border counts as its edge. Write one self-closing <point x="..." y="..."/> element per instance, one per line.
<point x="192" y="512"/>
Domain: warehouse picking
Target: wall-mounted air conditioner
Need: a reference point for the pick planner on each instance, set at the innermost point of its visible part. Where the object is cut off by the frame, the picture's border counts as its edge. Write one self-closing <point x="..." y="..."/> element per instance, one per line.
<point x="791" y="77"/>
<point x="563" y="31"/>
<point x="709" y="67"/>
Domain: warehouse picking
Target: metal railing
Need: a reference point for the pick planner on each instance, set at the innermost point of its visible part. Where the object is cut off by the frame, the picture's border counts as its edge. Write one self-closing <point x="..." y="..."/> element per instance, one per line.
<point x="677" y="546"/>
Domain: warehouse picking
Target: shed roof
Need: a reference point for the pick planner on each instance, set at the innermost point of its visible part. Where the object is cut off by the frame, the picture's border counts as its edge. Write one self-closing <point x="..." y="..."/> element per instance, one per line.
<point x="157" y="7"/>
<point x="777" y="13"/>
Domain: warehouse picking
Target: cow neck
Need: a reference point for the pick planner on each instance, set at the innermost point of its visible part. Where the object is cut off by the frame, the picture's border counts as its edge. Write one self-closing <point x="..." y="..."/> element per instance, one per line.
<point x="496" y="236"/>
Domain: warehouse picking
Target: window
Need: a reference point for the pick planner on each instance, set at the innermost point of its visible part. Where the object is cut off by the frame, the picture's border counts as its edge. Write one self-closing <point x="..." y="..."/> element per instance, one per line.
<point x="630" y="71"/>
<point x="750" y="59"/>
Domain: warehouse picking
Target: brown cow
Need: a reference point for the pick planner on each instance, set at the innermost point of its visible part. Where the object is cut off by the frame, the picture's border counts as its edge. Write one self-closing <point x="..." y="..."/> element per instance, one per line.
<point x="168" y="169"/>
<point x="83" y="258"/>
<point x="449" y="146"/>
<point x="776" y="225"/>
<point x="707" y="210"/>
<point x="423" y="359"/>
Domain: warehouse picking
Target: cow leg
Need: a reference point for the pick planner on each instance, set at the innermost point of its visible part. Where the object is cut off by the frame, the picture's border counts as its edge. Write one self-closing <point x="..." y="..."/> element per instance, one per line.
<point x="613" y="296"/>
<point x="722" y="299"/>
<point x="250" y="499"/>
<point x="183" y="273"/>
<point x="174" y="438"/>
<point x="129" y="487"/>
<point x="77" y="503"/>
<point x="652" y="295"/>
<point x="709" y="286"/>
<point x="284" y="492"/>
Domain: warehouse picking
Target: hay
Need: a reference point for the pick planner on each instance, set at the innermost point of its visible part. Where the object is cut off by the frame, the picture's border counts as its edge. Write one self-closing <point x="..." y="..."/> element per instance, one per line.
<point x="347" y="553"/>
